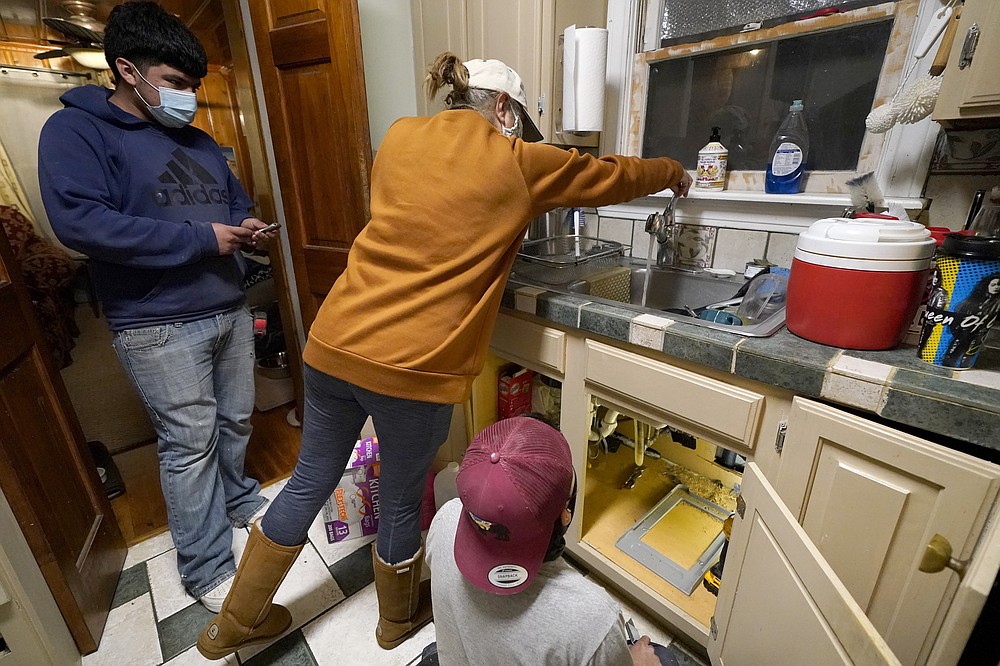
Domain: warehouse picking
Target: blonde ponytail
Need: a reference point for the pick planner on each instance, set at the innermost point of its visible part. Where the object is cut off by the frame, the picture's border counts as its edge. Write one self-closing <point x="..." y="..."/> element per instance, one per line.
<point x="447" y="69"/>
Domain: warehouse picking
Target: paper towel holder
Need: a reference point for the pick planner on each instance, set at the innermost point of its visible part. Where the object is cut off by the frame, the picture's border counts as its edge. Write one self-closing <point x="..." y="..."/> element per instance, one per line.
<point x="564" y="79"/>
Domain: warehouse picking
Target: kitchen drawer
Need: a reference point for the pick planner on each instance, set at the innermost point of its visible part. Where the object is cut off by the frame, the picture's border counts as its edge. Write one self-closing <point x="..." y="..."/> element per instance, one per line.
<point x="722" y="413"/>
<point x="540" y="348"/>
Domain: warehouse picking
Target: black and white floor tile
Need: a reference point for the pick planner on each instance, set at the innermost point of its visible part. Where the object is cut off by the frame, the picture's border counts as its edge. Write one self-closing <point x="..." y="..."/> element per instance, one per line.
<point x="329" y="591"/>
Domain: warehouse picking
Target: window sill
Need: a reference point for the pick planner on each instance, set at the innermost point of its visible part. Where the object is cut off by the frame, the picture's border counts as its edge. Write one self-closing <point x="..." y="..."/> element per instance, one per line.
<point x="809" y="198"/>
<point x="790" y="213"/>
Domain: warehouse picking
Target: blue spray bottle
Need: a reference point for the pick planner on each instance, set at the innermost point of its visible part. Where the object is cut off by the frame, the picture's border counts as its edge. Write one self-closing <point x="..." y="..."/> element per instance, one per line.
<point x="788" y="155"/>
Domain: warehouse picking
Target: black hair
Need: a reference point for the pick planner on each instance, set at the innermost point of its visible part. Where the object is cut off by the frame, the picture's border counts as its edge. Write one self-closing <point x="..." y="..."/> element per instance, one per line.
<point x="147" y="35"/>
<point x="979" y="296"/>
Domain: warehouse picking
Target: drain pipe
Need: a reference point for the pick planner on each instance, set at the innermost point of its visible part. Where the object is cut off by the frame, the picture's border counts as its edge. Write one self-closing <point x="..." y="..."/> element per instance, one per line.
<point x="607" y="424"/>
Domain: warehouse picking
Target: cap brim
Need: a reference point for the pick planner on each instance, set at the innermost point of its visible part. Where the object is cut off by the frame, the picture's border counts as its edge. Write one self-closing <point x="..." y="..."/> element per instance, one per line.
<point x="531" y="133"/>
<point x="484" y="561"/>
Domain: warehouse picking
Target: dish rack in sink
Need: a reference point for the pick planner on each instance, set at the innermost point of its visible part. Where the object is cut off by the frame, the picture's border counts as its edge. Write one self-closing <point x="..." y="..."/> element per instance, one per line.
<point x="562" y="260"/>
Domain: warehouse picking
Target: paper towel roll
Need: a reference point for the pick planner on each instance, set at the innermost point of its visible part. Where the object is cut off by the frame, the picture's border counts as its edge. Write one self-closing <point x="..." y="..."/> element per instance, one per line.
<point x="585" y="60"/>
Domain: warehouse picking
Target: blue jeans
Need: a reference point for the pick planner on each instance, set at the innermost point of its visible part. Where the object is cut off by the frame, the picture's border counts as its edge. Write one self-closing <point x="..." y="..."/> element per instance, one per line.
<point x="196" y="381"/>
<point x="409" y="434"/>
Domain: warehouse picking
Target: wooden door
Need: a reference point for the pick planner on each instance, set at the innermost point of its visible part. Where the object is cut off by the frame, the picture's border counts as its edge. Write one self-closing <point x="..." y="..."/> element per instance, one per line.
<point x="780" y="602"/>
<point x="871" y="498"/>
<point x="314" y="90"/>
<point x="47" y="473"/>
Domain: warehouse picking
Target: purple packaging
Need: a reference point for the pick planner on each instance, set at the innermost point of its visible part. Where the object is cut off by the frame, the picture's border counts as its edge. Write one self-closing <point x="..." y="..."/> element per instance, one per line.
<point x="365" y="452"/>
<point x="353" y="509"/>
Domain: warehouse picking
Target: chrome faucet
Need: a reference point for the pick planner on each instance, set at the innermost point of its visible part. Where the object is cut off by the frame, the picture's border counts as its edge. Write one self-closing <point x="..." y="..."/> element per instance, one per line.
<point x="662" y="227"/>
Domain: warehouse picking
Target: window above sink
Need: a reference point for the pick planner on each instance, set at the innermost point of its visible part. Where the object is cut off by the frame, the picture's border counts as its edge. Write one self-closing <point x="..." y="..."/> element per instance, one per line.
<point x="745" y="92"/>
<point x="667" y="93"/>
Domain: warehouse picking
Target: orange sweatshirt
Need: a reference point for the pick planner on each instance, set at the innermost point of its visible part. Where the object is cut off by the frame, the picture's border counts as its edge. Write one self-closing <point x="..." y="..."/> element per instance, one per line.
<point x="451" y="197"/>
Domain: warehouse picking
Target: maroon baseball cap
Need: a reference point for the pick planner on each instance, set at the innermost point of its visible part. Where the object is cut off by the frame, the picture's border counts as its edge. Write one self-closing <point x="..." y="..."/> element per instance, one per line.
<point x="514" y="483"/>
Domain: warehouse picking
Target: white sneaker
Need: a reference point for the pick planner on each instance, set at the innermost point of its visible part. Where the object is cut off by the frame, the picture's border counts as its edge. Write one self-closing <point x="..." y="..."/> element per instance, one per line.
<point x="212" y="600"/>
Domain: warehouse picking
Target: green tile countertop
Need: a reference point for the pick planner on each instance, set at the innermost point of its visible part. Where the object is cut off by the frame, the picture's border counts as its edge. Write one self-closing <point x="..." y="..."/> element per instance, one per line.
<point x="962" y="405"/>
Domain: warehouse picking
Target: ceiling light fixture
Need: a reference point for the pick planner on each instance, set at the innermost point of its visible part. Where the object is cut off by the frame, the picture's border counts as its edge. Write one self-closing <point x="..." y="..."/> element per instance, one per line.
<point x="89" y="58"/>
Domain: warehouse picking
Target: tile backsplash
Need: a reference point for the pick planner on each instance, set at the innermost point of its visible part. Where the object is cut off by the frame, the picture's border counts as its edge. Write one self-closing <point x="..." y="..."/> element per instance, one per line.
<point x="700" y="246"/>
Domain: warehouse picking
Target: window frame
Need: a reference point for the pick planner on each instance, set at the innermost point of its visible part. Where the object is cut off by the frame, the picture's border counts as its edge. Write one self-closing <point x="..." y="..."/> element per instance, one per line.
<point x="900" y="158"/>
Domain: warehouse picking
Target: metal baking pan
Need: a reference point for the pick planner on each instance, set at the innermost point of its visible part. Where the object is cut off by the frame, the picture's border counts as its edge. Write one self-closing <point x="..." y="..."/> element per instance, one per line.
<point x="562" y="251"/>
<point x="685" y="576"/>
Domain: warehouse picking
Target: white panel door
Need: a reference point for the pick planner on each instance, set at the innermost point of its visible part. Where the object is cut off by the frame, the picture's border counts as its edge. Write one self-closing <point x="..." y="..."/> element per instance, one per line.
<point x="871" y="498"/>
<point x="511" y="31"/>
<point x="780" y="603"/>
<point x="438" y="26"/>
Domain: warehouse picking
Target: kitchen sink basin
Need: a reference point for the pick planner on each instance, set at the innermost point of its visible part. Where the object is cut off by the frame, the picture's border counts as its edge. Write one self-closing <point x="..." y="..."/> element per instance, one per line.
<point x="673" y="293"/>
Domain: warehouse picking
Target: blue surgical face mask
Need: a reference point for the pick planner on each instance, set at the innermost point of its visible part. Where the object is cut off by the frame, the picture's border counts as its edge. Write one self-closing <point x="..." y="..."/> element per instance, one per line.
<point x="177" y="107"/>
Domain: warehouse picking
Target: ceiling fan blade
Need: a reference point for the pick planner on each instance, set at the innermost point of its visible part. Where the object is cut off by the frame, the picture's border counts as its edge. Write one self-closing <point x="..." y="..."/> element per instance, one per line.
<point x="57" y="53"/>
<point x="73" y="30"/>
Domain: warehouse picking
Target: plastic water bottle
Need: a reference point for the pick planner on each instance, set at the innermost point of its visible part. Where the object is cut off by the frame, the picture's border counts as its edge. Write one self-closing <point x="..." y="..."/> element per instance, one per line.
<point x="789" y="152"/>
<point x="445" y="487"/>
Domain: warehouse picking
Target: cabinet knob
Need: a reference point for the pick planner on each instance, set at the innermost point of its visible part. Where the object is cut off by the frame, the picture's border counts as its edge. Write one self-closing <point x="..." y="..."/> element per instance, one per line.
<point x="938" y="557"/>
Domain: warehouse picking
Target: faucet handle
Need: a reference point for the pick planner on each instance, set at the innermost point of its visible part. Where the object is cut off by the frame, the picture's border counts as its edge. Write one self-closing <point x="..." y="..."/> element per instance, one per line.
<point x="668" y="210"/>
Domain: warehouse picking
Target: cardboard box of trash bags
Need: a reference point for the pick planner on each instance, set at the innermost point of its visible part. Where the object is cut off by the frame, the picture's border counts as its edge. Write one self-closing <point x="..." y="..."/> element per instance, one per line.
<point x="352" y="510"/>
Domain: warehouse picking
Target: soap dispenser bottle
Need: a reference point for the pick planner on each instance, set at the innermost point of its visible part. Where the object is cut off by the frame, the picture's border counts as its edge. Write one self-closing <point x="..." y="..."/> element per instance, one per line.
<point x="712" y="159"/>
<point x="789" y="152"/>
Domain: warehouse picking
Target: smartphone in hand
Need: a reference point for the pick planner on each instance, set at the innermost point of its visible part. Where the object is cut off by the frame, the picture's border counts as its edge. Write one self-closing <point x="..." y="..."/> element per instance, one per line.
<point x="274" y="226"/>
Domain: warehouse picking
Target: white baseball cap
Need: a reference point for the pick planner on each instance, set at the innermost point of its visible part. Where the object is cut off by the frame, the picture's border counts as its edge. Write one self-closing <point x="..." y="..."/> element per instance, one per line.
<point x="495" y="75"/>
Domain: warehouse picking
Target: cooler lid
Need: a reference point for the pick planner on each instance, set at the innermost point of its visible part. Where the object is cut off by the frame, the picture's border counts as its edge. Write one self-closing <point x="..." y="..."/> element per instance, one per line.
<point x="867" y="238"/>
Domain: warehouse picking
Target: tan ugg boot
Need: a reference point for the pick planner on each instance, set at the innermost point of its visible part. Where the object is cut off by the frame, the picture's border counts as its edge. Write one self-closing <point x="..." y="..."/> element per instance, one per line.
<point x="247" y="614"/>
<point x="404" y="602"/>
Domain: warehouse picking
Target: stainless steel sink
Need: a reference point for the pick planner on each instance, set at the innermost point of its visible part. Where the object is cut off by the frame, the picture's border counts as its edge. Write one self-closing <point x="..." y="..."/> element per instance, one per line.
<point x="672" y="293"/>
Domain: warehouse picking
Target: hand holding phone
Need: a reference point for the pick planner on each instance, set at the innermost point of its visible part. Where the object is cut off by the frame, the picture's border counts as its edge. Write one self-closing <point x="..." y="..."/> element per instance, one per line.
<point x="274" y="226"/>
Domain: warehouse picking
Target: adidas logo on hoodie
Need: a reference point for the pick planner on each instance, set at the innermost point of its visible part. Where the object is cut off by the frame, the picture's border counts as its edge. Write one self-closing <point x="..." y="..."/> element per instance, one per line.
<point x="187" y="183"/>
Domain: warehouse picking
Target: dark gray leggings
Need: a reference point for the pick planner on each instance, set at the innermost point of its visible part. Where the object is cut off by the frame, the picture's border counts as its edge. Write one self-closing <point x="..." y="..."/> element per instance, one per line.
<point x="409" y="435"/>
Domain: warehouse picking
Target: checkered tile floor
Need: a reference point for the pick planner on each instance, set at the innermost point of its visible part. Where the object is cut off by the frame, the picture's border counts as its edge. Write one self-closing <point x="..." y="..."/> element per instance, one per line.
<point x="329" y="592"/>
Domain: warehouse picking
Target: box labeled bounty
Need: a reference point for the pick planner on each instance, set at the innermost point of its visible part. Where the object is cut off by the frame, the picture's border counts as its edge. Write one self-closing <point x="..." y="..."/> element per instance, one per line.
<point x="353" y="509"/>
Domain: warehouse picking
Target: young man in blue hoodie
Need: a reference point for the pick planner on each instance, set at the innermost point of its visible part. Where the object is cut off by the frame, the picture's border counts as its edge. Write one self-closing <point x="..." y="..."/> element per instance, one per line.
<point x="153" y="204"/>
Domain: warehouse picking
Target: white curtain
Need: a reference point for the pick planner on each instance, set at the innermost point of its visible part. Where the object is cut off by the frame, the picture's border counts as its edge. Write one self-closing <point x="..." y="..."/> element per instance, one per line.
<point x="27" y="99"/>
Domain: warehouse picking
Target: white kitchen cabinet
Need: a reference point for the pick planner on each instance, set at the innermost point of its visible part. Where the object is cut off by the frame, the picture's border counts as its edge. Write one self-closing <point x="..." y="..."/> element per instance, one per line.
<point x="438" y="26"/>
<point x="780" y="603"/>
<point x="970" y="90"/>
<point x="513" y="31"/>
<point x="721" y="412"/>
<point x="871" y="498"/>
<point x="522" y="33"/>
<point x="537" y="347"/>
<point x="827" y="561"/>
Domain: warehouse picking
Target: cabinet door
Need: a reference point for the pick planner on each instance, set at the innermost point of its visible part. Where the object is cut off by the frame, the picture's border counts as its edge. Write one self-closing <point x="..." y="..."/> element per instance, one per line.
<point x="512" y="31"/>
<point x="438" y="26"/>
<point x="871" y="498"/>
<point x="780" y="602"/>
<point x="973" y="92"/>
<point x="977" y="582"/>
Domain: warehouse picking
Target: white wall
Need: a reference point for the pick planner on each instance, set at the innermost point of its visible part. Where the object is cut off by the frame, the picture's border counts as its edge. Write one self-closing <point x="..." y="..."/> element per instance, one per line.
<point x="29" y="98"/>
<point x="387" y="48"/>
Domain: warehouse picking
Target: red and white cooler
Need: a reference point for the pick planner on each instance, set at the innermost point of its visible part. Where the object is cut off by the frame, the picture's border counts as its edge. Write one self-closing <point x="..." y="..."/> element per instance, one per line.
<point x="856" y="283"/>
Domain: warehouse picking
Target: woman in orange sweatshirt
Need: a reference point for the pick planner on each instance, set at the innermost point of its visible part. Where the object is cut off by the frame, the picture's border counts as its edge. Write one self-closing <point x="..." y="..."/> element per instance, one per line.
<point x="406" y="328"/>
